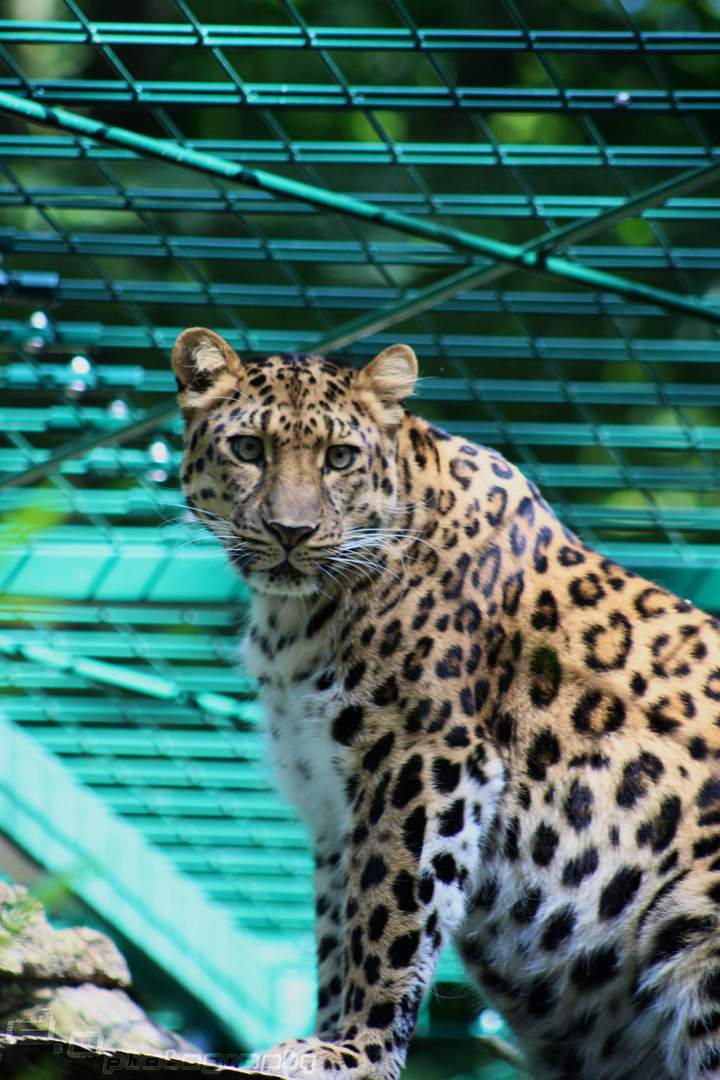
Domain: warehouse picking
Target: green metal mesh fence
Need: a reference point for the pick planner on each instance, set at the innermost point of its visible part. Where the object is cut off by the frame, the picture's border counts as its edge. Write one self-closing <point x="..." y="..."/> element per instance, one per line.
<point x="527" y="193"/>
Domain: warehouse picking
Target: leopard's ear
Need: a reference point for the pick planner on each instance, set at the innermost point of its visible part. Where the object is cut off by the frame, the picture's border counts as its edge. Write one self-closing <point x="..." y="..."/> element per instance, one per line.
<point x="200" y="357"/>
<point x="391" y="377"/>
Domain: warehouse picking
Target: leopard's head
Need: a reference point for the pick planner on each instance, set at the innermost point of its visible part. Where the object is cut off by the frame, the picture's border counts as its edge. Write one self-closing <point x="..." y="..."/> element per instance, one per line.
<point x="291" y="460"/>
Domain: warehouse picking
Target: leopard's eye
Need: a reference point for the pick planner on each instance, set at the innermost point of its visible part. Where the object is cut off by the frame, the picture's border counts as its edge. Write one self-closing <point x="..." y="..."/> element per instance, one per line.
<point x="247" y="447"/>
<point x="340" y="457"/>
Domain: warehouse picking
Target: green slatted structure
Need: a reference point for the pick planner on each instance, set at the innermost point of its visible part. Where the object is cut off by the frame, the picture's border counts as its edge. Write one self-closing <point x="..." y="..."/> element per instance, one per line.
<point x="526" y="192"/>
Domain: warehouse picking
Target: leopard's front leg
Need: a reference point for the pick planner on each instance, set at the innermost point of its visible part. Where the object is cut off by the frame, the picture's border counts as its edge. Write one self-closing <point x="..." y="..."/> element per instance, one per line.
<point x="330" y="887"/>
<point x="414" y="848"/>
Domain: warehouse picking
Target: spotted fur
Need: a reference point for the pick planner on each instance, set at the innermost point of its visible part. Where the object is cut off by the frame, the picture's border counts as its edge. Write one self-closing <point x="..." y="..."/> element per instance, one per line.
<point x="494" y="734"/>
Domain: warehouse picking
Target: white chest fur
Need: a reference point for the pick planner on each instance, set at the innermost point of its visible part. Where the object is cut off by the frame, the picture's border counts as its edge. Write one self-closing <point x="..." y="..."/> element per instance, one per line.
<point x="300" y="699"/>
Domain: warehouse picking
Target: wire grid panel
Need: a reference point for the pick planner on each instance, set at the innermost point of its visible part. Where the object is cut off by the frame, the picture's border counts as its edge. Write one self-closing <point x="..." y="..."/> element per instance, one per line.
<point x="535" y="126"/>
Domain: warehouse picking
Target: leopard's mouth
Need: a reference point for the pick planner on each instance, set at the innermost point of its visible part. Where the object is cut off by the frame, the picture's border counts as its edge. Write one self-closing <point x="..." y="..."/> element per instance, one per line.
<point x="281" y="579"/>
<point x="247" y="560"/>
<point x="276" y="572"/>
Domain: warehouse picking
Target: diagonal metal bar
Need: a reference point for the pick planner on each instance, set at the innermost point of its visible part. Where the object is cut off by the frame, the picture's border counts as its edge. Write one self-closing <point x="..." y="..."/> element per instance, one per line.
<point x="374" y="322"/>
<point x="128" y="678"/>
<point x="457" y="239"/>
<point x="584" y="228"/>
<point x="151" y="419"/>
<point x="551" y="241"/>
<point x="111" y="867"/>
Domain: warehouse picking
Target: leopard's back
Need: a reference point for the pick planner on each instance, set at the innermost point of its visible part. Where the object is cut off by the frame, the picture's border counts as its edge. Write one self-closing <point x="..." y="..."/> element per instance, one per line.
<point x="594" y="924"/>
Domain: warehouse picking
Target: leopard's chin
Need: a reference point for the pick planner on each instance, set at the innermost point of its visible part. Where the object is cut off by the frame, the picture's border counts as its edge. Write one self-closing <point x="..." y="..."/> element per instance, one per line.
<point x="283" y="580"/>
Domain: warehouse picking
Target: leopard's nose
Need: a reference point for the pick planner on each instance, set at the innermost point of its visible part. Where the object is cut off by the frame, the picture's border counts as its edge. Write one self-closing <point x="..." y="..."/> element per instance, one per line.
<point x="289" y="535"/>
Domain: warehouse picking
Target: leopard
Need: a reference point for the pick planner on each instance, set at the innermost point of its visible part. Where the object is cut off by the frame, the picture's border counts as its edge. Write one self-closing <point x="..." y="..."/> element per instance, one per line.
<point x="496" y="736"/>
